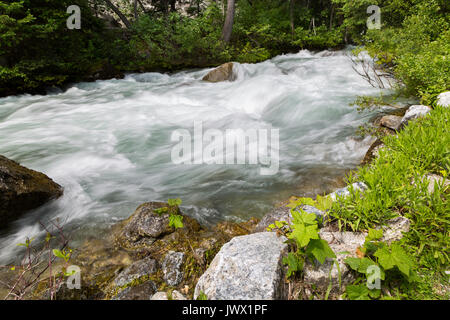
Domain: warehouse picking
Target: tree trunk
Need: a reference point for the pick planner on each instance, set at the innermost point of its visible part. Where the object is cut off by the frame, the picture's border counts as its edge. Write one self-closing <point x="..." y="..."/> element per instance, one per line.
<point x="229" y="21"/>
<point x="119" y="14"/>
<point x="291" y="15"/>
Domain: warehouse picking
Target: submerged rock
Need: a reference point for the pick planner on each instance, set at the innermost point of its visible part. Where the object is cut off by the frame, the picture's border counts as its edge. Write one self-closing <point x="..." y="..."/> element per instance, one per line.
<point x="246" y="268"/>
<point x="22" y="189"/>
<point x="443" y="99"/>
<point x="221" y="73"/>
<point x="414" y="112"/>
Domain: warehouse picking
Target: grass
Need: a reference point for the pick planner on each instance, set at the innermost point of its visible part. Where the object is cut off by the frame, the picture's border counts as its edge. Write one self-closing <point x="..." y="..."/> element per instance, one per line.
<point x="396" y="187"/>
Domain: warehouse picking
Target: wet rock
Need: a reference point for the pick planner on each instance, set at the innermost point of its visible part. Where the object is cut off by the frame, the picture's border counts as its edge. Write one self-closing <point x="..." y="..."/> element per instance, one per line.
<point x="171" y="267"/>
<point x="414" y="112"/>
<point x="283" y="213"/>
<point x="443" y="99"/>
<point x="144" y="291"/>
<point x="391" y="122"/>
<point x="22" y="189"/>
<point x="222" y="73"/>
<point x="345" y="192"/>
<point x="246" y="268"/>
<point x="136" y="271"/>
<point x="144" y="226"/>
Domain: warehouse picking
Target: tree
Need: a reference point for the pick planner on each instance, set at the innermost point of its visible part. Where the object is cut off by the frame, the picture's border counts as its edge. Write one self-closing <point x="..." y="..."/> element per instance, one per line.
<point x="229" y="21"/>
<point x="116" y="10"/>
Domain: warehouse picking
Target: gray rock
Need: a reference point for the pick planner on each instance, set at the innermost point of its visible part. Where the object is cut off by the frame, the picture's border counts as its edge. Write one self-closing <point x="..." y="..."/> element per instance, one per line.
<point x="443" y="99"/>
<point x="171" y="267"/>
<point x="284" y="214"/>
<point x="144" y="226"/>
<point x="144" y="291"/>
<point x="246" y="268"/>
<point x="176" y="295"/>
<point x="160" y="296"/>
<point x="221" y="73"/>
<point x="22" y="189"/>
<point x="395" y="229"/>
<point x="136" y="271"/>
<point x="434" y="179"/>
<point x="345" y="192"/>
<point x="391" y="122"/>
<point x="344" y="244"/>
<point x="414" y="112"/>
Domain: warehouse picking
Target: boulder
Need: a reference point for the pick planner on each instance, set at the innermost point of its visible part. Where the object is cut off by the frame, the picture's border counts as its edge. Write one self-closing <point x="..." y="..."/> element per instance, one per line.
<point x="22" y="189"/>
<point x="246" y="268"/>
<point x="144" y="291"/>
<point x="443" y="99"/>
<point x="136" y="271"/>
<point x="414" y="112"/>
<point x="283" y="213"/>
<point x="345" y="192"/>
<point x="391" y="122"/>
<point x="171" y="267"/>
<point x="221" y="73"/>
<point x="144" y="226"/>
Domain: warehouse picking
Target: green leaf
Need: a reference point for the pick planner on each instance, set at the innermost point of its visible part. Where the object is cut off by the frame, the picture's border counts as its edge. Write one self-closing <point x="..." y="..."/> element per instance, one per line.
<point x="174" y="202"/>
<point x="395" y="256"/>
<point x="320" y="249"/>
<point x="357" y="292"/>
<point x="59" y="254"/>
<point x="303" y="234"/>
<point x="293" y="263"/>
<point x="176" y="221"/>
<point x="374" y="234"/>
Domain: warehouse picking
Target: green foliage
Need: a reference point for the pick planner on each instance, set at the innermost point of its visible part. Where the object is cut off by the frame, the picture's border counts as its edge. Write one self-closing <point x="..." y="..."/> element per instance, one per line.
<point x="377" y="255"/>
<point x="303" y="235"/>
<point x="175" y="219"/>
<point x="202" y="296"/>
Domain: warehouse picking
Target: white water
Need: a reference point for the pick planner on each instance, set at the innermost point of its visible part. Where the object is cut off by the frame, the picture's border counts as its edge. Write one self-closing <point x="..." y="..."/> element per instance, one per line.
<point x="108" y="143"/>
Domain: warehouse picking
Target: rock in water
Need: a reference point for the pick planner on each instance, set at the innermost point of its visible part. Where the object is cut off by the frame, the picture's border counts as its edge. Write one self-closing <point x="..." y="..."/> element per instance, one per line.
<point x="246" y="268"/>
<point x="221" y="73"/>
<point x="443" y="99"/>
<point x="22" y="189"/>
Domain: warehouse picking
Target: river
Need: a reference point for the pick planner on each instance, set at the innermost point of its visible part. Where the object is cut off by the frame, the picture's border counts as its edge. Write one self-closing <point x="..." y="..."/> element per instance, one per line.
<point x="108" y="143"/>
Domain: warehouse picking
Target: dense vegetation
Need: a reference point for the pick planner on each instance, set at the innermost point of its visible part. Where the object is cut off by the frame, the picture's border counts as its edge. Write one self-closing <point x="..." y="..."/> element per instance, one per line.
<point x="37" y="50"/>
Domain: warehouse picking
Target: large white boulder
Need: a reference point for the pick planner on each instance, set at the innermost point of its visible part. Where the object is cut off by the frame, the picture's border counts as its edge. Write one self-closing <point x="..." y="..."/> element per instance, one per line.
<point x="246" y="268"/>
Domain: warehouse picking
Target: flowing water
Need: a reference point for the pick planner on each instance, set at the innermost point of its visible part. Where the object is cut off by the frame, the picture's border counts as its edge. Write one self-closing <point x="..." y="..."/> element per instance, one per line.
<point x="108" y="143"/>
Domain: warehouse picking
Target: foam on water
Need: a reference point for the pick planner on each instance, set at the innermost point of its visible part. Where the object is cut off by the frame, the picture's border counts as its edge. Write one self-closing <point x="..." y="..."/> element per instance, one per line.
<point x="108" y="142"/>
